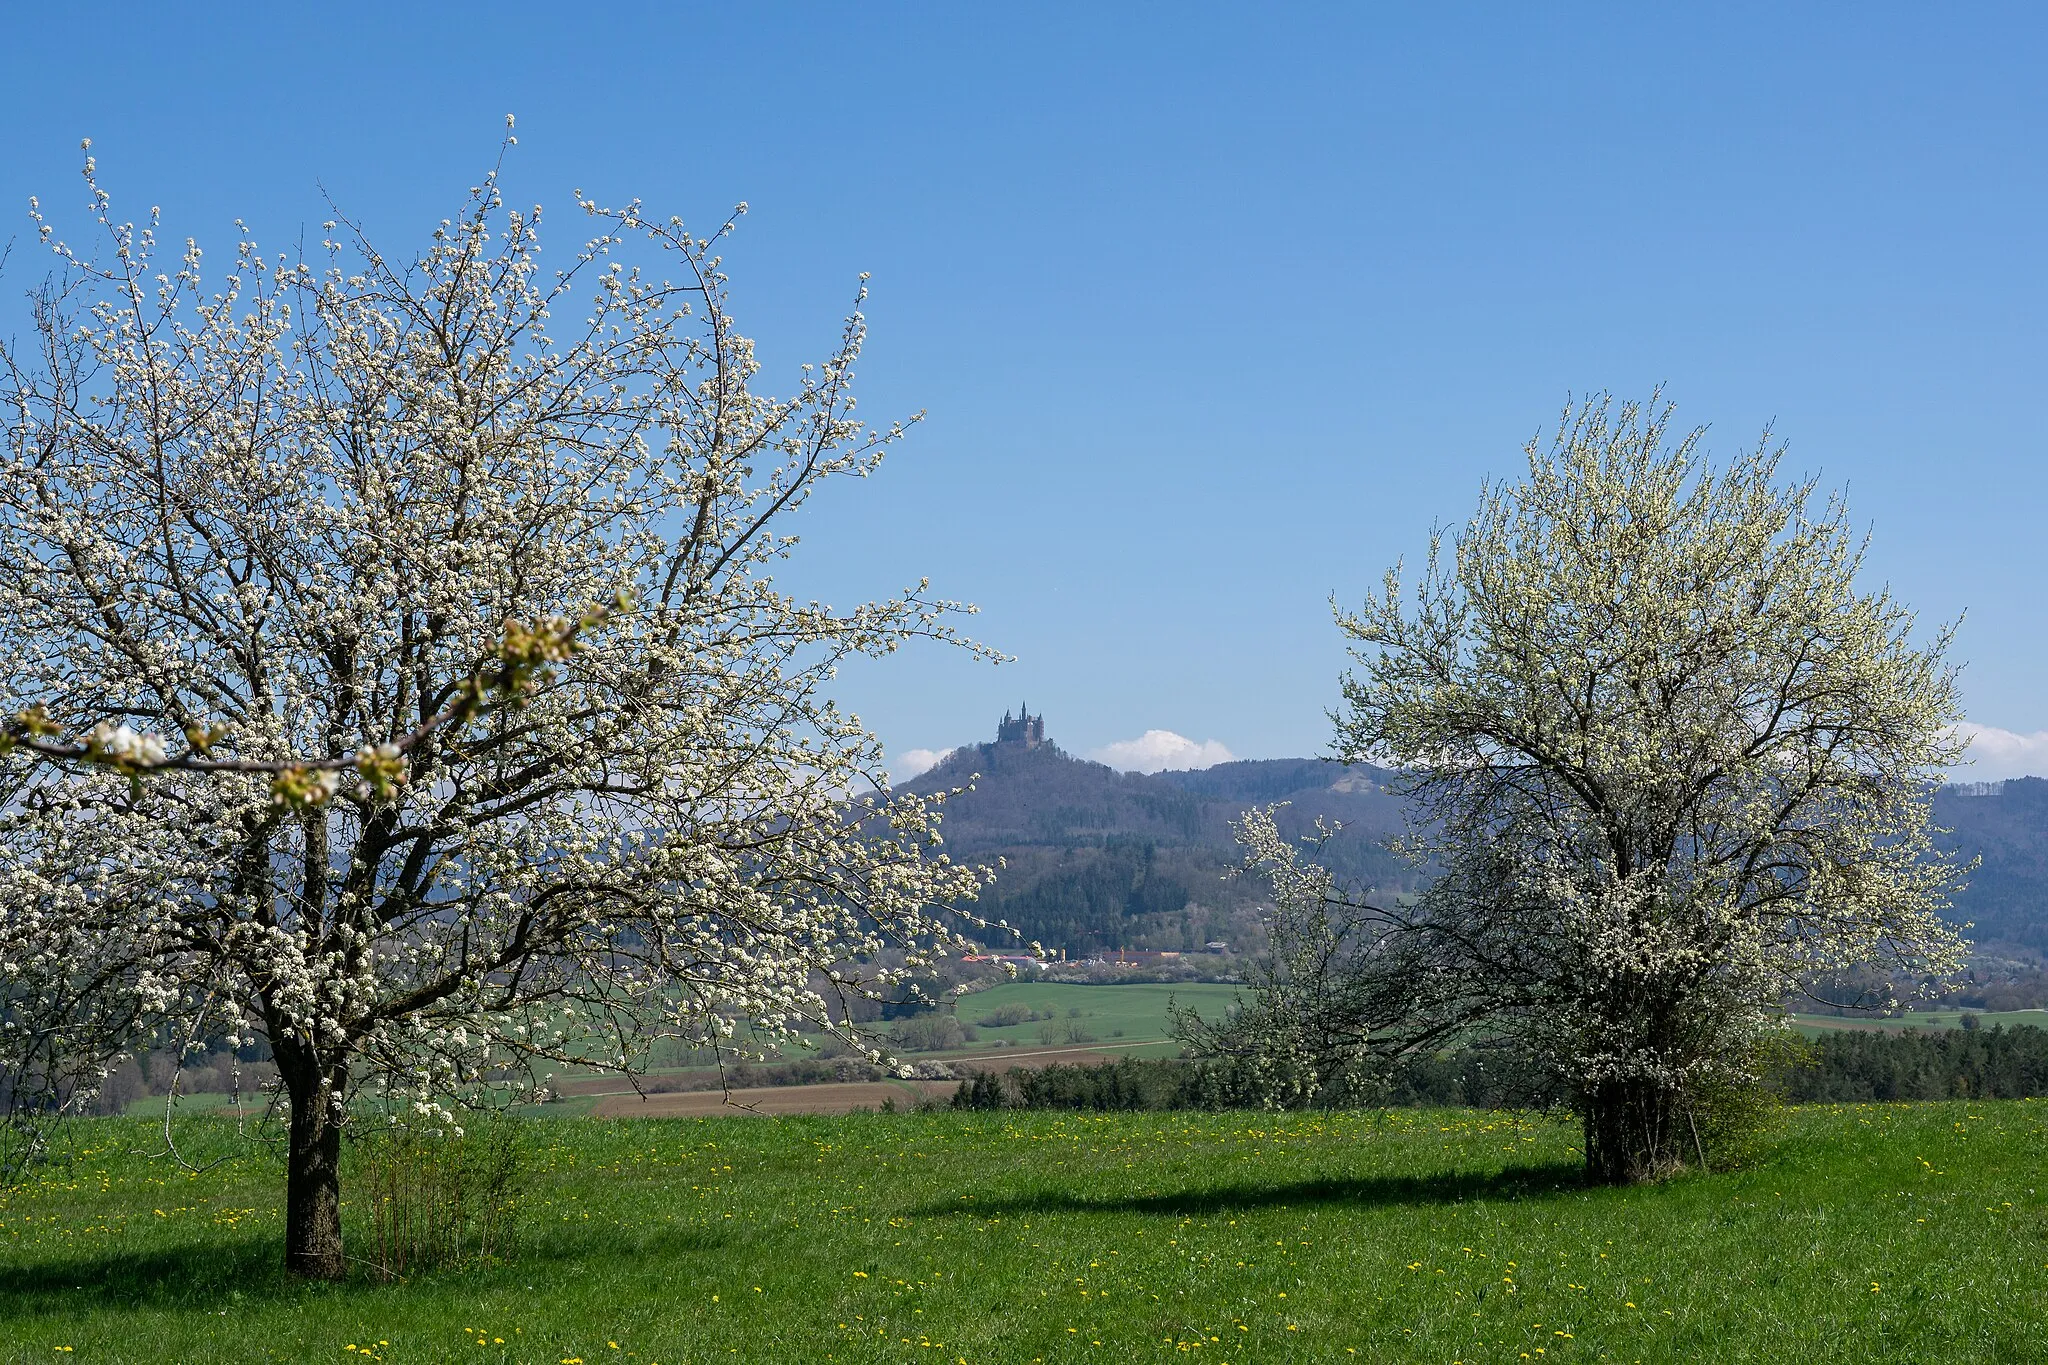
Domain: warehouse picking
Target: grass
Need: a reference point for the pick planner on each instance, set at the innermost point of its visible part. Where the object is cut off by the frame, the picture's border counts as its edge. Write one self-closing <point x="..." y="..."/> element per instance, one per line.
<point x="1902" y="1233"/>
<point x="1813" y="1025"/>
<point x="1130" y="1018"/>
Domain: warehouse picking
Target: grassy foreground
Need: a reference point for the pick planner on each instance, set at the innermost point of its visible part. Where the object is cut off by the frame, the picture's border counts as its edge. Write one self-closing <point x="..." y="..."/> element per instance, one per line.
<point x="1904" y="1233"/>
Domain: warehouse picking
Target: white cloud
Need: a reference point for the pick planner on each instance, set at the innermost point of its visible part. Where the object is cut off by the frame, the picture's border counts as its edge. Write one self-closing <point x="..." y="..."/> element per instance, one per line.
<point x="911" y="762"/>
<point x="1160" y="750"/>
<point x="1999" y="754"/>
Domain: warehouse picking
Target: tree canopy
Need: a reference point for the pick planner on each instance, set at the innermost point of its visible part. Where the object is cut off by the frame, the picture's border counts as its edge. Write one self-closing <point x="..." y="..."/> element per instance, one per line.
<point x="1670" y="762"/>
<point x="397" y="673"/>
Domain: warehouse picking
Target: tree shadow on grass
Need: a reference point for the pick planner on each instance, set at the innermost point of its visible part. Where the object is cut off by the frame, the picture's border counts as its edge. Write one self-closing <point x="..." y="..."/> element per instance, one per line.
<point x="1379" y="1191"/>
<point x="192" y="1276"/>
<point x="215" y="1275"/>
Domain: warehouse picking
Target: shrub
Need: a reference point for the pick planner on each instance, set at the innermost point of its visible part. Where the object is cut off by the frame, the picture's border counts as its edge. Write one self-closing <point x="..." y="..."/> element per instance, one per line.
<point x="121" y="1088"/>
<point x="984" y="1090"/>
<point x="1477" y="1077"/>
<point x="930" y="1033"/>
<point x="1727" y="1124"/>
<point x="437" y="1199"/>
<point x="1065" y="1032"/>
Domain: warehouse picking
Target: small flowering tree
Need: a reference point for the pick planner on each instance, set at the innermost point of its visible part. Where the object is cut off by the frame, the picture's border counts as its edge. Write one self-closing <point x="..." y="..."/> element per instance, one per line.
<point x="1671" y="766"/>
<point x="395" y="674"/>
<point x="1325" y="1003"/>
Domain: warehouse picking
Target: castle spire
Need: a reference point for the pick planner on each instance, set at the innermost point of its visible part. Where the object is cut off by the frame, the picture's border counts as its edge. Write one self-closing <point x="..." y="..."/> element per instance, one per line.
<point x="1023" y="730"/>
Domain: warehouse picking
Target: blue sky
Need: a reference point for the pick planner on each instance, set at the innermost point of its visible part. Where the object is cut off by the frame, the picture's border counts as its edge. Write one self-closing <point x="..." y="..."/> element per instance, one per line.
<point x="1213" y="311"/>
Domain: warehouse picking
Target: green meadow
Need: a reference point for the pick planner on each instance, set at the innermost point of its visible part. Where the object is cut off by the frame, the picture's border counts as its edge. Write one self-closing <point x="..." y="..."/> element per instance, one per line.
<point x="1813" y="1025"/>
<point x="1878" y="1233"/>
<point x="1133" y="1018"/>
<point x="1130" y="1019"/>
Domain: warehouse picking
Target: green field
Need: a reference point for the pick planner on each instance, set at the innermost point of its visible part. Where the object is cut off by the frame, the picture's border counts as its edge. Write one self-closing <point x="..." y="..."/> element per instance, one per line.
<point x="1129" y="1019"/>
<point x="1133" y="1018"/>
<point x="1813" y="1025"/>
<point x="1900" y="1233"/>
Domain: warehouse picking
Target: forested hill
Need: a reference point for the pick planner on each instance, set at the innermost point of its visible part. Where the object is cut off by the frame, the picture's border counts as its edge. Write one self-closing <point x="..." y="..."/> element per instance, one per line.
<point x="1043" y="798"/>
<point x="1102" y="859"/>
<point x="2008" y="828"/>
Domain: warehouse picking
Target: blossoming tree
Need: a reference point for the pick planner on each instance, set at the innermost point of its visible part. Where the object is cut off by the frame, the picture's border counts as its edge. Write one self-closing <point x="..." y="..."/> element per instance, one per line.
<point x="396" y="674"/>
<point x="1672" y="764"/>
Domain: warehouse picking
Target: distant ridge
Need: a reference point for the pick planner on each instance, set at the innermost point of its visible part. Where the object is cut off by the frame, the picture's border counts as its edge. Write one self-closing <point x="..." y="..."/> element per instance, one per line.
<point x="1105" y="859"/>
<point x="1995" y="788"/>
<point x="2008" y="828"/>
<point x="1100" y="859"/>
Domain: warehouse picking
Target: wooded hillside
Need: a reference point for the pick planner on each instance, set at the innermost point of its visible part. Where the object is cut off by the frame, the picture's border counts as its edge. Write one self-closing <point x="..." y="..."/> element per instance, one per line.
<point x="1099" y="859"/>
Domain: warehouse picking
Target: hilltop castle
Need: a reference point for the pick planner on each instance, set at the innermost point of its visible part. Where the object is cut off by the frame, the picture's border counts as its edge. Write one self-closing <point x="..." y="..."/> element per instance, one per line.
<point x="1025" y="731"/>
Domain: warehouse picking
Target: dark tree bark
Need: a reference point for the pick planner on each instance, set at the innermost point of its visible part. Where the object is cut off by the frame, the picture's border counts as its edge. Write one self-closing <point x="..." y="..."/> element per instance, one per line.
<point x="1633" y="1131"/>
<point x="312" y="1219"/>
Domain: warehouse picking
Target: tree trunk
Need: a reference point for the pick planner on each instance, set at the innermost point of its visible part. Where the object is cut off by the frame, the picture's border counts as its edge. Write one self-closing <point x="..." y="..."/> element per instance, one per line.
<point x="312" y="1200"/>
<point x="1632" y="1131"/>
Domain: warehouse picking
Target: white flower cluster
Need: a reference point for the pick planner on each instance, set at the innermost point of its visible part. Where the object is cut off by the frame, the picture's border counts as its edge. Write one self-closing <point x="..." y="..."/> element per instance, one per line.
<point x="376" y="465"/>
<point x="126" y="745"/>
<point x="1671" y="765"/>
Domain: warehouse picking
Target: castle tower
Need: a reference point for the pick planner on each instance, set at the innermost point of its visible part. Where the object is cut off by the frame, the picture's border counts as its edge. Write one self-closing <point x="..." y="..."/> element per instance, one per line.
<point x="1022" y="731"/>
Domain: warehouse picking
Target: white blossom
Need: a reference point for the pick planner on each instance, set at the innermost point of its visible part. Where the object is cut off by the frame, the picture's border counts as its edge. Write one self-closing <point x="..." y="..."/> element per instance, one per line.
<point x="120" y="742"/>
<point x="295" y="511"/>
<point x="1670" y="764"/>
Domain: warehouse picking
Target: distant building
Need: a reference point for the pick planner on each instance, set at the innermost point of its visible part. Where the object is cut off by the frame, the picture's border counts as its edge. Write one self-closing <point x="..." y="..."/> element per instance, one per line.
<point x="1024" y="731"/>
<point x="1020" y="959"/>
